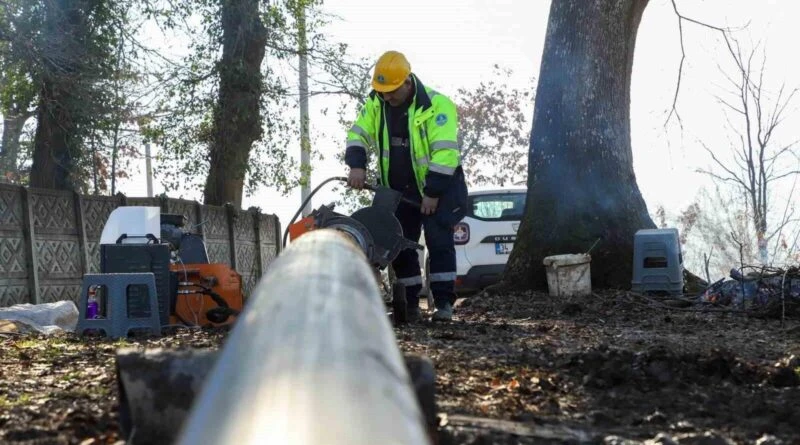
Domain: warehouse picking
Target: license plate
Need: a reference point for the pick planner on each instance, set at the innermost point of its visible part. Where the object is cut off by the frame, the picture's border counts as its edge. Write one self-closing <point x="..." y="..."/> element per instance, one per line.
<point x="503" y="248"/>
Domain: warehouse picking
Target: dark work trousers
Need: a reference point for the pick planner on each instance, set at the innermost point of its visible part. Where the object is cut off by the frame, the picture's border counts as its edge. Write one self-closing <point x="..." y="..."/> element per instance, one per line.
<point x="441" y="250"/>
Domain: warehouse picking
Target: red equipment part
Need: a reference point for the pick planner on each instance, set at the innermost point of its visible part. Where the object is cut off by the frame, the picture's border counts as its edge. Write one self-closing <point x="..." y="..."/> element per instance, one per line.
<point x="305" y="225"/>
<point x="200" y="289"/>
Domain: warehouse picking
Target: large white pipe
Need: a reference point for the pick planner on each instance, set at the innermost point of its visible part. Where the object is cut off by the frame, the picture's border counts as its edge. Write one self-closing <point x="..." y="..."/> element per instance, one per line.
<point x="312" y="359"/>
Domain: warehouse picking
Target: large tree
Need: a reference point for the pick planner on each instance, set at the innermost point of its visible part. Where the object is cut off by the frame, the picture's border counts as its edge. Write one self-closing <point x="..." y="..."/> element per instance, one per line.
<point x="74" y="55"/>
<point x="20" y="22"/>
<point x="17" y="93"/>
<point x="206" y="116"/>
<point x="581" y="184"/>
<point x="237" y="117"/>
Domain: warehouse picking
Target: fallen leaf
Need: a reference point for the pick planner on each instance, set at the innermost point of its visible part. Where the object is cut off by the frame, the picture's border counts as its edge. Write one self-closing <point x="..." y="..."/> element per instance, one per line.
<point x="513" y="384"/>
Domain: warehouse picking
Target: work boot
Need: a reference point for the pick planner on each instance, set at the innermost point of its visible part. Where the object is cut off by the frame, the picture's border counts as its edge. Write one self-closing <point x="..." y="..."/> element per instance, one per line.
<point x="413" y="315"/>
<point x="443" y="313"/>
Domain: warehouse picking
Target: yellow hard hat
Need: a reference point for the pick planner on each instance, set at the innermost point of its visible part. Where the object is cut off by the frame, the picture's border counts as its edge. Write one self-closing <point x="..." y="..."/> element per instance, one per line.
<point x="391" y="71"/>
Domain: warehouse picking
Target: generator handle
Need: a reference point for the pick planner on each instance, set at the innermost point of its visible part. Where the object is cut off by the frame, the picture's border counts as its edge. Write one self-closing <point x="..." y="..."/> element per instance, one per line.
<point x="149" y="236"/>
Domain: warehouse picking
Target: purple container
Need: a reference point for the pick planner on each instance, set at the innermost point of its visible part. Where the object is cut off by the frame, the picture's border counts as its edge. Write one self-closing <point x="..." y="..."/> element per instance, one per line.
<point x="91" y="309"/>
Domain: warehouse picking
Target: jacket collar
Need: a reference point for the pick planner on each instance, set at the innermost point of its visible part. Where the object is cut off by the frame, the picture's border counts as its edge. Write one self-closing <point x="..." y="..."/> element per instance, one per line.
<point x="421" y="98"/>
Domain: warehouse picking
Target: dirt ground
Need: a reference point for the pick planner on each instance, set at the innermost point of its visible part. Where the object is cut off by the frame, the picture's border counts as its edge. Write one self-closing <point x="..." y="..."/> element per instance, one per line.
<point x="523" y="368"/>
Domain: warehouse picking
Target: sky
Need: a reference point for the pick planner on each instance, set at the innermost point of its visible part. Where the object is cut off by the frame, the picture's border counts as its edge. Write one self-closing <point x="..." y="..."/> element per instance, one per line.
<point x="454" y="43"/>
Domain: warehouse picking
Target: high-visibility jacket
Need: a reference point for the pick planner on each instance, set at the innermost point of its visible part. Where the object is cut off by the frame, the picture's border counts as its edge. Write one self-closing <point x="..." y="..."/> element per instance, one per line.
<point x="433" y="135"/>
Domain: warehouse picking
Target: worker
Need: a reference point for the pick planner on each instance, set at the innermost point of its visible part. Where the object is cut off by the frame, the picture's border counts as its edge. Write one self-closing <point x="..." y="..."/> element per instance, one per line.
<point x="412" y="131"/>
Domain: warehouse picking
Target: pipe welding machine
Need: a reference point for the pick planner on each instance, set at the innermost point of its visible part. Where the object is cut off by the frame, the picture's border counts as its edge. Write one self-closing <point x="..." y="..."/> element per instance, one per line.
<point x="374" y="229"/>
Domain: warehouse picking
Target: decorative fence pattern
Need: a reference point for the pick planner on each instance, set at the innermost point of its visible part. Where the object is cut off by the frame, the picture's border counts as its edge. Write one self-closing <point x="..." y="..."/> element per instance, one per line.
<point x="49" y="239"/>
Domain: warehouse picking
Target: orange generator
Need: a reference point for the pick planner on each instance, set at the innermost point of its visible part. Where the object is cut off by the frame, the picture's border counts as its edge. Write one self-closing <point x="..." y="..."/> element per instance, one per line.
<point x="202" y="293"/>
<point x="206" y="294"/>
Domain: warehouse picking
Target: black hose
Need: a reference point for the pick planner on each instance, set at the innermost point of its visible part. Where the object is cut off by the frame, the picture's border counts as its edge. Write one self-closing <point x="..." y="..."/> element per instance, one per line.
<point x="215" y="315"/>
<point x="222" y="312"/>
<point x="305" y="202"/>
<point x="217" y="299"/>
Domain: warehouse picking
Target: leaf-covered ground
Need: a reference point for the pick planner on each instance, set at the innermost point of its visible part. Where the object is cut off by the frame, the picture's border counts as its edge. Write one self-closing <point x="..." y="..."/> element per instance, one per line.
<point x="615" y="368"/>
<point x="511" y="369"/>
<point x="62" y="389"/>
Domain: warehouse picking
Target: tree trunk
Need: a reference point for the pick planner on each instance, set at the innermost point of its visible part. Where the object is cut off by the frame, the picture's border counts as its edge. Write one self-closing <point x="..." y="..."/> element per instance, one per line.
<point x="56" y="149"/>
<point x="114" y="157"/>
<point x="237" y="117"/>
<point x="581" y="184"/>
<point x="53" y="152"/>
<point x="760" y="211"/>
<point x="93" y="148"/>
<point x="9" y="151"/>
<point x="305" y="124"/>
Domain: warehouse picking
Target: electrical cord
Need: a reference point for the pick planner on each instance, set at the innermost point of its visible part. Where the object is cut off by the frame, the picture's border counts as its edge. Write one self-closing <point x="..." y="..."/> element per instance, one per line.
<point x="305" y="202"/>
<point x="218" y="314"/>
<point x="195" y="313"/>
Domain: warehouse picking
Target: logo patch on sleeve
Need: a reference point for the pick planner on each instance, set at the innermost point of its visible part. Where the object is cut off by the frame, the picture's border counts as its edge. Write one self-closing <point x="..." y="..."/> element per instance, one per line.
<point x="441" y="119"/>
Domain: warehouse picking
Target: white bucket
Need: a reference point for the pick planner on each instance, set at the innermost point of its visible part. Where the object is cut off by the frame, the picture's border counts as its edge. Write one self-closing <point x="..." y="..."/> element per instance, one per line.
<point x="569" y="275"/>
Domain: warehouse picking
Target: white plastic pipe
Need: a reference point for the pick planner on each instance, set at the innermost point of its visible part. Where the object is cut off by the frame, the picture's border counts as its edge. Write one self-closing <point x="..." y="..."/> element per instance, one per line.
<point x="312" y="359"/>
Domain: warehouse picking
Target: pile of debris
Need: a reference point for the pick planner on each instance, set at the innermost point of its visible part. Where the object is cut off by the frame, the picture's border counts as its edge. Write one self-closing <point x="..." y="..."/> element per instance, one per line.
<point x="768" y="290"/>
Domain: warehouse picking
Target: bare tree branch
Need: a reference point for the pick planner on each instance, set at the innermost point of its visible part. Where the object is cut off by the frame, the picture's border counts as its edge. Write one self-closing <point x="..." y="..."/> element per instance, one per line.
<point x="795" y="243"/>
<point x="780" y="107"/>
<point x="733" y="176"/>
<point x="732" y="107"/>
<point x="681" y="19"/>
<point x="741" y="162"/>
<point x="739" y="156"/>
<point x="736" y="54"/>
<point x="784" y="175"/>
<point x="754" y="155"/>
<point x="674" y="109"/>
<point x="724" y="178"/>
<point x="781" y="151"/>
<point x="783" y="223"/>
<point x="347" y="93"/>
